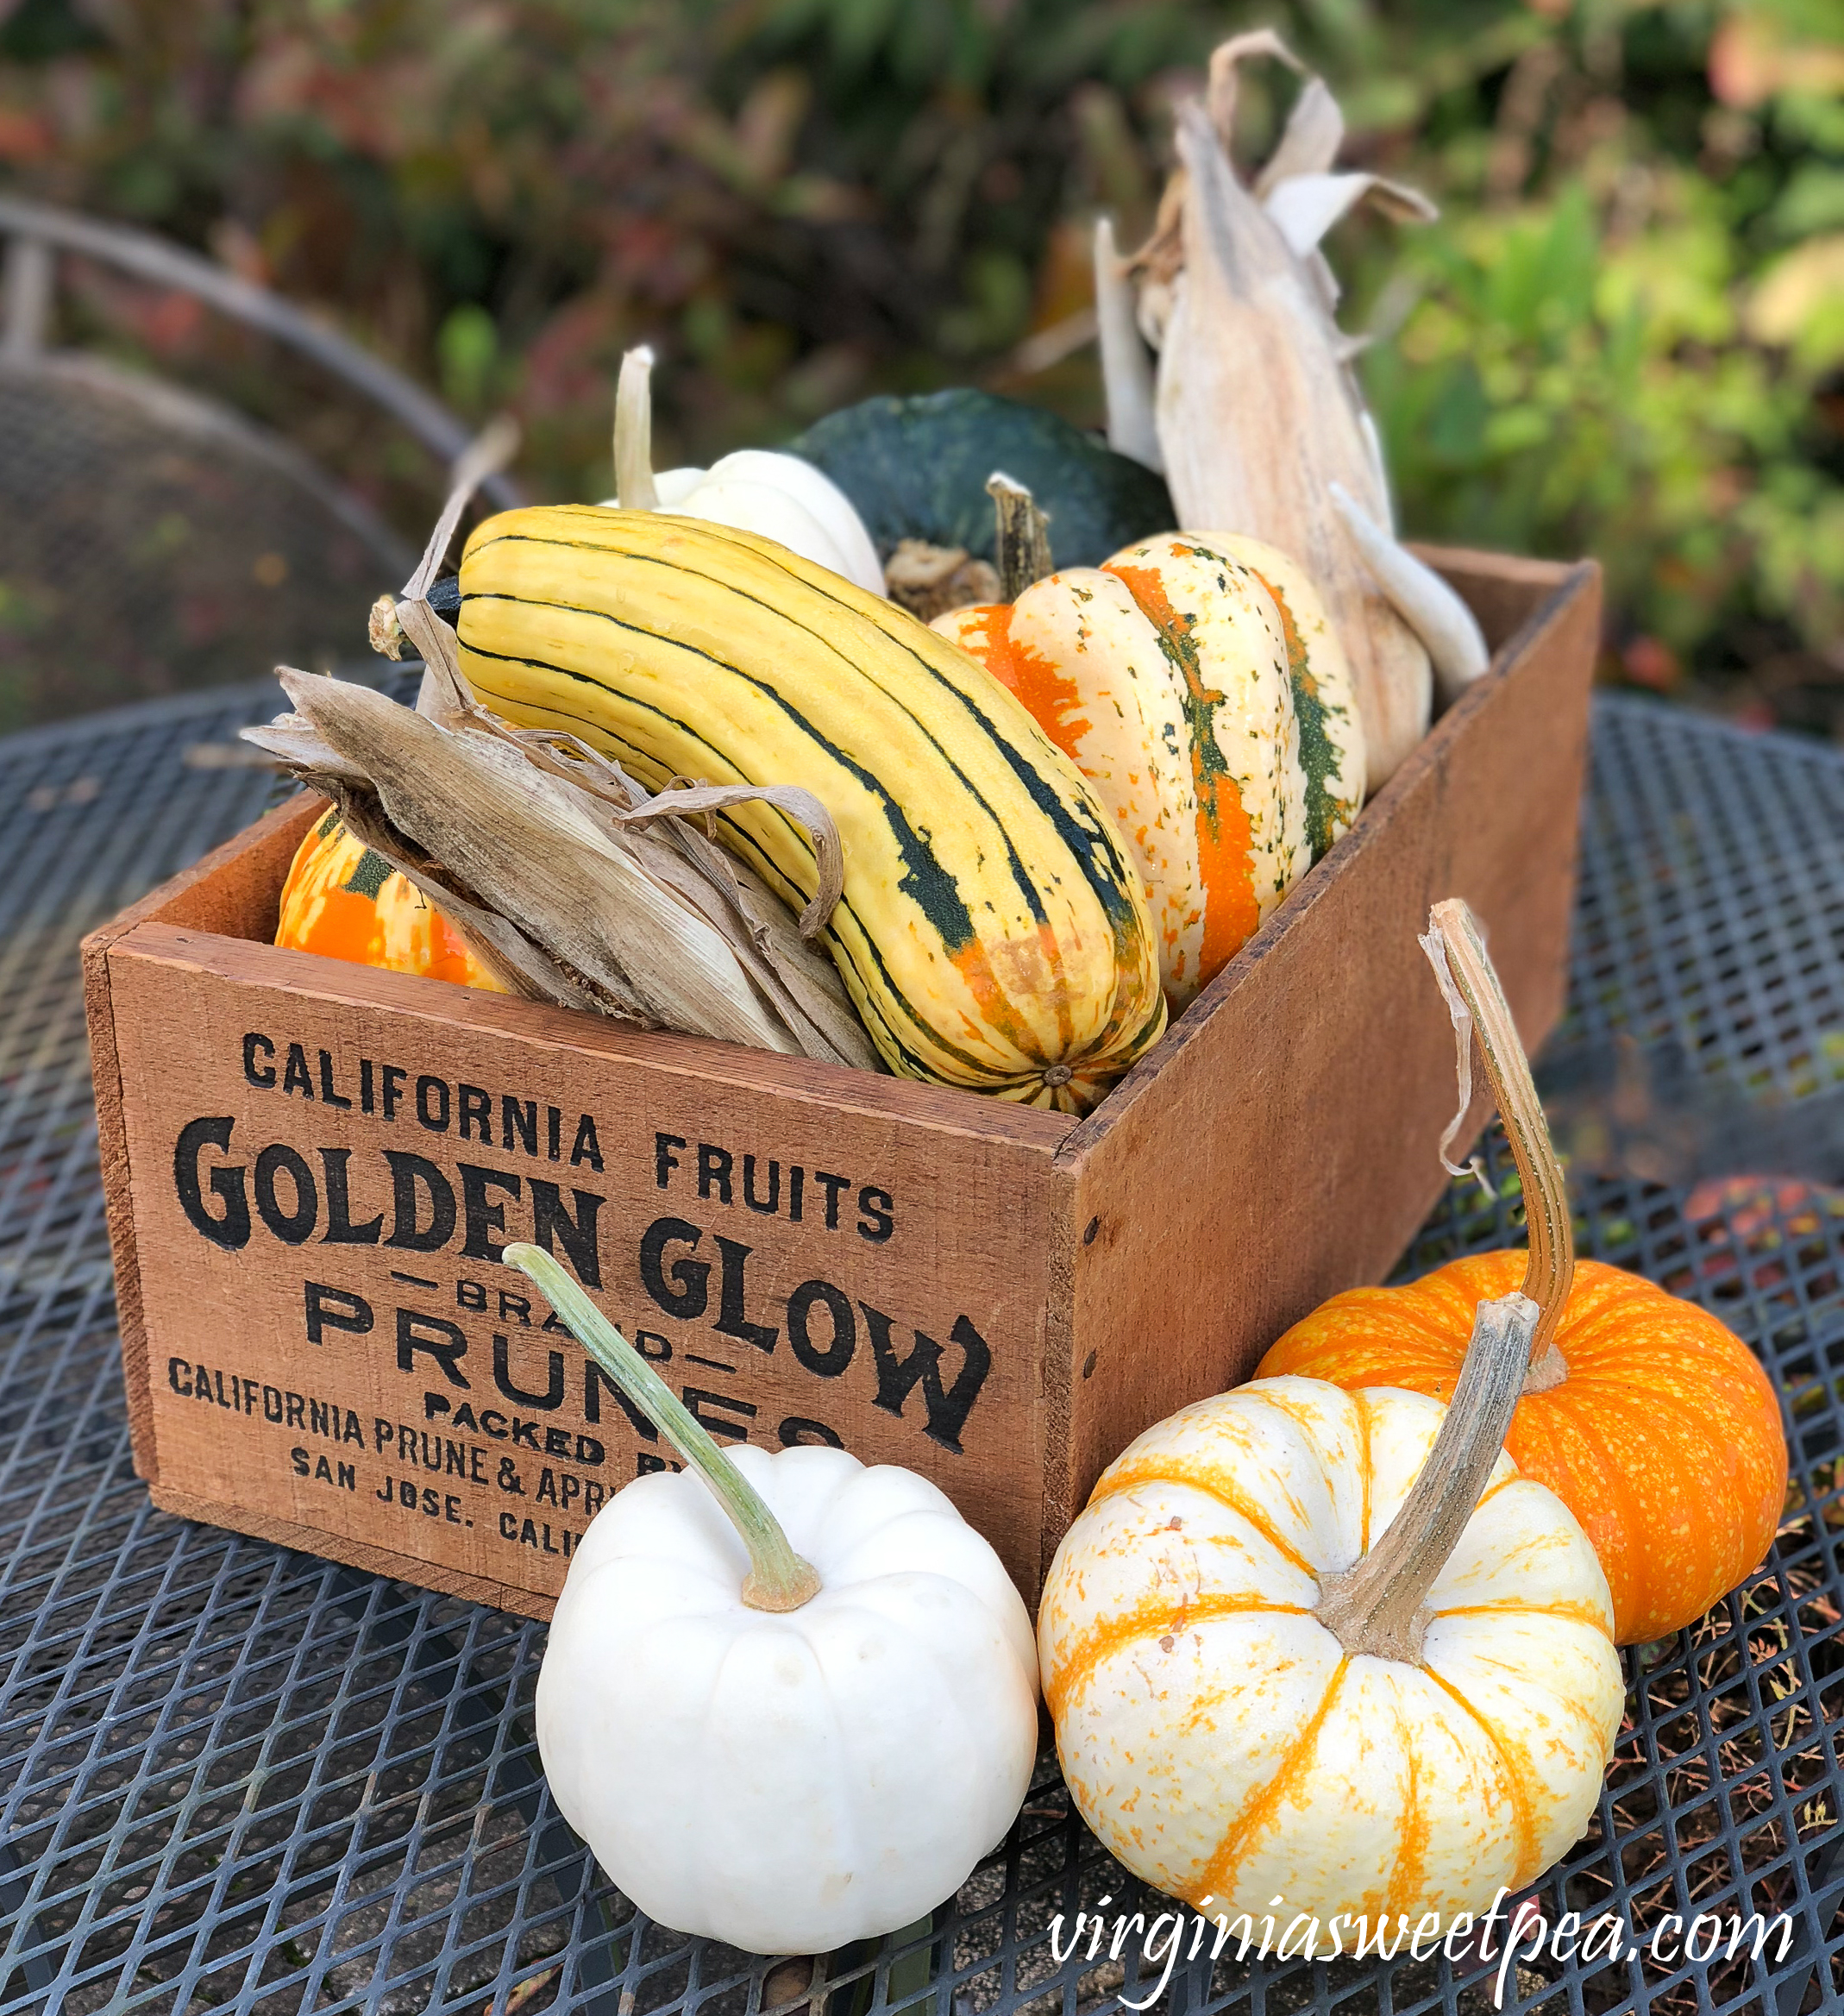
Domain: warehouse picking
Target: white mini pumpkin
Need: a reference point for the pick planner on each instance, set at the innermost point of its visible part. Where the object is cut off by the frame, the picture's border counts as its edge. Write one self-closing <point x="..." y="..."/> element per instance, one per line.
<point x="777" y="496"/>
<point x="788" y="1700"/>
<point x="788" y="1783"/>
<point x="1330" y="1647"/>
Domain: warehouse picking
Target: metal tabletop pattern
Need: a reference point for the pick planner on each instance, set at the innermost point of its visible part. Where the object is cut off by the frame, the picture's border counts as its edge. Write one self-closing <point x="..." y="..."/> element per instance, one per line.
<point x="234" y="1777"/>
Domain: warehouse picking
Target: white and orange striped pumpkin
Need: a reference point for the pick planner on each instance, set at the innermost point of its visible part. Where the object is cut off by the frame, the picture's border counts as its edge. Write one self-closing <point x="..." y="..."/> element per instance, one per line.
<point x="1195" y="681"/>
<point x="1219" y="1737"/>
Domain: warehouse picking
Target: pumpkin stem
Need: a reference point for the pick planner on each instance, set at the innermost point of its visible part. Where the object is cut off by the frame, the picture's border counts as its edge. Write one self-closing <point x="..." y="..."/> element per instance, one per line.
<point x="778" y="1578"/>
<point x="1024" y="536"/>
<point x="1549" y="1271"/>
<point x="1379" y="1606"/>
<point x="634" y="486"/>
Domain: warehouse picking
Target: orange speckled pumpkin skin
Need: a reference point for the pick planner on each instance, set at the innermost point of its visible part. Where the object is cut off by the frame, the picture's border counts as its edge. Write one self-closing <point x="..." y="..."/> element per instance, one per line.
<point x="1664" y="1440"/>
<point x="342" y="901"/>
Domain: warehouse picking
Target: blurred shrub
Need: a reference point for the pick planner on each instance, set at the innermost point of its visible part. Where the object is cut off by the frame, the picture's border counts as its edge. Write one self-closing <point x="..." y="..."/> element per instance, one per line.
<point x="1625" y="336"/>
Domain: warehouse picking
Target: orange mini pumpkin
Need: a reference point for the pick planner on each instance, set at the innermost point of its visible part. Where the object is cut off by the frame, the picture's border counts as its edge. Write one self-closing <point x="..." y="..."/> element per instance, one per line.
<point x="1662" y="1434"/>
<point x="345" y="902"/>
<point x="1651" y="1422"/>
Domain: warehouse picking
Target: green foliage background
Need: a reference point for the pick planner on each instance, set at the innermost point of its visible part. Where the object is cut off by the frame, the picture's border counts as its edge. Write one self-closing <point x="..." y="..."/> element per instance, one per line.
<point x="1625" y="336"/>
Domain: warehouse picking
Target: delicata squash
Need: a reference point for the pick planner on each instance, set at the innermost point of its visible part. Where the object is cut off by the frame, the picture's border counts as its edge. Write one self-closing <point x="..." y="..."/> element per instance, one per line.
<point x="994" y="931"/>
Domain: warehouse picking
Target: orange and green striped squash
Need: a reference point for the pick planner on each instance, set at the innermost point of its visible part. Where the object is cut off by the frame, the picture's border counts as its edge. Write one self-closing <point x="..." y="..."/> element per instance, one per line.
<point x="1195" y="680"/>
<point x="1663" y="1438"/>
<point x="343" y="902"/>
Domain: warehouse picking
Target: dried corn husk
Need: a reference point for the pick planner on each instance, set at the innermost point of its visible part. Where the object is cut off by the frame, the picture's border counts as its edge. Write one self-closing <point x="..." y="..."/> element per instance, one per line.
<point x="747" y="973"/>
<point x="1126" y="365"/>
<point x="573" y="884"/>
<point x="1260" y="423"/>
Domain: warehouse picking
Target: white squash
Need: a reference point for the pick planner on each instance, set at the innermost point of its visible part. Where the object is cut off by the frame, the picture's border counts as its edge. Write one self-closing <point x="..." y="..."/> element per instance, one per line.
<point x="1292" y="1651"/>
<point x="777" y="496"/>
<point x="788" y="1700"/>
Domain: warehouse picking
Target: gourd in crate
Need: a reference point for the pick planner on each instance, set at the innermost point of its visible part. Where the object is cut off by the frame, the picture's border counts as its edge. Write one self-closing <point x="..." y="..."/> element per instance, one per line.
<point x="782" y="497"/>
<point x="342" y="901"/>
<point x="917" y="468"/>
<point x="1195" y="681"/>
<point x="993" y="932"/>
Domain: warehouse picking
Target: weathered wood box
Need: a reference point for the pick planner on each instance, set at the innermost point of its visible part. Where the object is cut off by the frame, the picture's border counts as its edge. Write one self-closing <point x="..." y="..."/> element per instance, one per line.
<point x="311" y="1165"/>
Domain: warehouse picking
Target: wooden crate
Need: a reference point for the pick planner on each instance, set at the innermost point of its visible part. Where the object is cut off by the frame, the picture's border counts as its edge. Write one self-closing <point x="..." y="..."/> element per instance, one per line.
<point x="310" y="1166"/>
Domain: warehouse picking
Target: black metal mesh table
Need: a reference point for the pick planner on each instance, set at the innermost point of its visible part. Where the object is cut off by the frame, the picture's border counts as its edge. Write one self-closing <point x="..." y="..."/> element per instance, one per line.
<point x="233" y="1777"/>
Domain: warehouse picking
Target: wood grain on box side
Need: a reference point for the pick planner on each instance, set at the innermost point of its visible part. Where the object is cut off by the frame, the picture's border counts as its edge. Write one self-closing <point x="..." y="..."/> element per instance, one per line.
<point x="1255" y="1162"/>
<point x="234" y="882"/>
<point x="812" y="1253"/>
<point x="366" y="989"/>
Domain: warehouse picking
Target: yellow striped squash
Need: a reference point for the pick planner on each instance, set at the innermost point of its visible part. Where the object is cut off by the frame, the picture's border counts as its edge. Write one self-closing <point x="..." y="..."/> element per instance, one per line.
<point x="994" y="931"/>
<point x="1195" y="681"/>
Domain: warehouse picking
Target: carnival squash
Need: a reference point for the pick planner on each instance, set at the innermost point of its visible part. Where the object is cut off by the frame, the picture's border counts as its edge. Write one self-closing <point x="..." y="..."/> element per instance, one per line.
<point x="1650" y="1421"/>
<point x="1197" y="683"/>
<point x="343" y="902"/>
